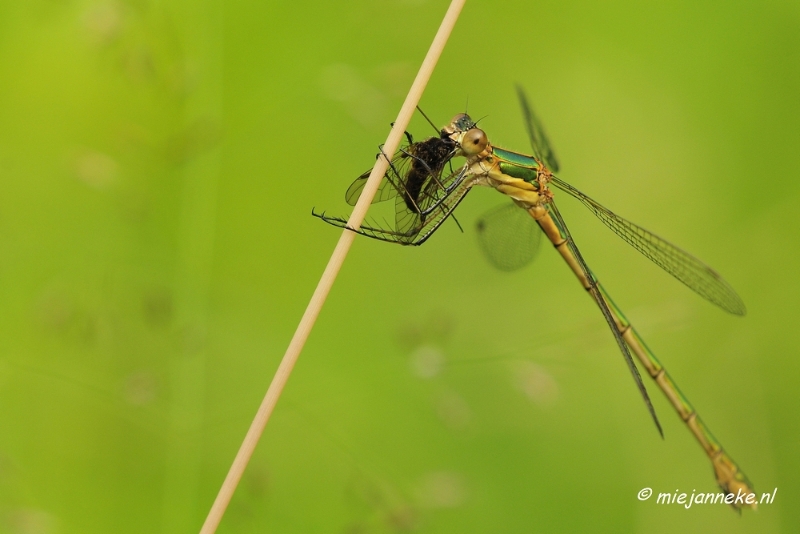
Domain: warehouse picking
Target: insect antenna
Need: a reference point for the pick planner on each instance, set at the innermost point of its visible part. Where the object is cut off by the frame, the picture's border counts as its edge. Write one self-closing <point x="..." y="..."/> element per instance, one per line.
<point x="428" y="119"/>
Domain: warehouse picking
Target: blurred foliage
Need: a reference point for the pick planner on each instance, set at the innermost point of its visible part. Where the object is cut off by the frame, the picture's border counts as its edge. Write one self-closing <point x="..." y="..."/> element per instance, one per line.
<point x="158" y="164"/>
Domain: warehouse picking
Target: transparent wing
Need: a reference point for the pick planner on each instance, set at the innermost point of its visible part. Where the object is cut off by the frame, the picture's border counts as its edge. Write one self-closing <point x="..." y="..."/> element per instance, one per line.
<point x="508" y="236"/>
<point x="539" y="141"/>
<point x="695" y="274"/>
<point x="594" y="290"/>
<point x="389" y="184"/>
<point x="438" y="208"/>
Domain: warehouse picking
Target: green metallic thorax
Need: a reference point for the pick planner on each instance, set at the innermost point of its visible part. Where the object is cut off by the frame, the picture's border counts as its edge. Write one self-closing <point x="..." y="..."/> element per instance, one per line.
<point x="516" y="164"/>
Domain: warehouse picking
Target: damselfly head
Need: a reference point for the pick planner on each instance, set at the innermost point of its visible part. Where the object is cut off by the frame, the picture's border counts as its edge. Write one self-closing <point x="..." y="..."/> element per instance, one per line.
<point x="462" y="130"/>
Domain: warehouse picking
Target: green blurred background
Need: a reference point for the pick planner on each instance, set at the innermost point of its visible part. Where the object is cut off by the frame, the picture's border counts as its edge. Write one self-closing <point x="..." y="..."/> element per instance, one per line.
<point x="158" y="165"/>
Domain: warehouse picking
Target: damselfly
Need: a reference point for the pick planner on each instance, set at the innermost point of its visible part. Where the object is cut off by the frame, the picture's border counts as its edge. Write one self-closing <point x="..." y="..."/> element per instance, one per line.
<point x="427" y="188"/>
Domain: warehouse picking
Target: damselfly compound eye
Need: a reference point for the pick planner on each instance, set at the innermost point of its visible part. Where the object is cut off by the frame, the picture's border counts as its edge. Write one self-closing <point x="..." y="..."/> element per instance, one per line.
<point x="474" y="142"/>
